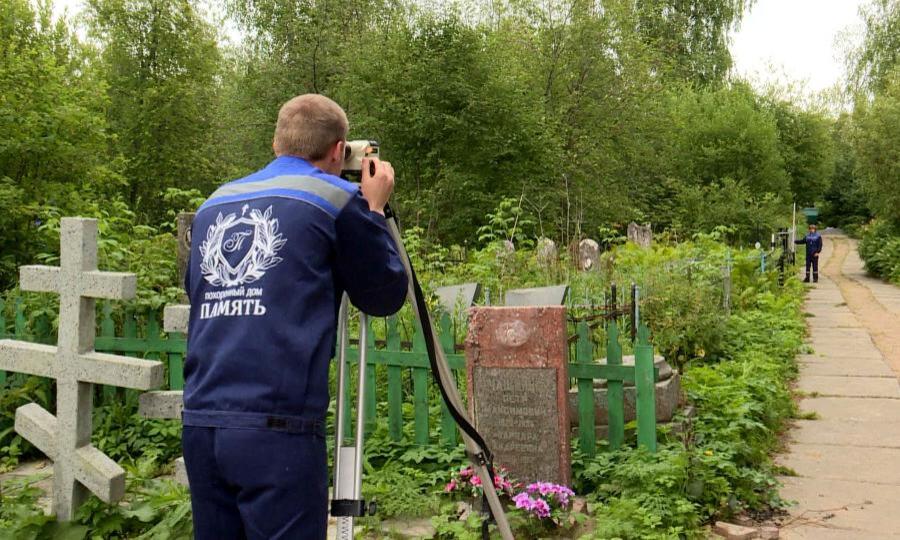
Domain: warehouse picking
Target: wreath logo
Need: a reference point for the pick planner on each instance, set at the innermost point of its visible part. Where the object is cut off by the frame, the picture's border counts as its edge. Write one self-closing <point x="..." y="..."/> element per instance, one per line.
<point x="261" y="255"/>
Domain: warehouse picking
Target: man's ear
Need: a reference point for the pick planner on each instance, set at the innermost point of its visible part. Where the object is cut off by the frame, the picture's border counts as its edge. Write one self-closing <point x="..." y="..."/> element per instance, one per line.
<point x="337" y="152"/>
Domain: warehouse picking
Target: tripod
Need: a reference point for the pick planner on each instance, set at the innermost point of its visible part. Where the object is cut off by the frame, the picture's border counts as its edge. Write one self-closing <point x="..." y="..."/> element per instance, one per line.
<point x="346" y="501"/>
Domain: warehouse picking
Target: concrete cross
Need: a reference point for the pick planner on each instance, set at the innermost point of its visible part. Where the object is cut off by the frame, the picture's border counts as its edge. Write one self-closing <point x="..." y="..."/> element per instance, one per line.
<point x="66" y="438"/>
<point x="169" y="403"/>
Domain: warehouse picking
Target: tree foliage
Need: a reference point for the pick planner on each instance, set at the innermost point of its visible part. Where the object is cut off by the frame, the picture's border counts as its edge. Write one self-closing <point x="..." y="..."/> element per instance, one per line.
<point x="589" y="114"/>
<point x="161" y="61"/>
<point x="873" y="61"/>
<point x="877" y="148"/>
<point x="53" y="139"/>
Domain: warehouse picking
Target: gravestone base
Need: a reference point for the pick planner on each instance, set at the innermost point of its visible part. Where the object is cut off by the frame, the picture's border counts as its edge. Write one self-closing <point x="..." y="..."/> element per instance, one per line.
<point x="675" y="426"/>
<point x="668" y="401"/>
<point x="669" y="397"/>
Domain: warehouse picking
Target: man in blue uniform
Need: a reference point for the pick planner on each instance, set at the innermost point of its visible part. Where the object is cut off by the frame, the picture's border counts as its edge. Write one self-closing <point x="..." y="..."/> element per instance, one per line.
<point x="813" y="242"/>
<point x="271" y="256"/>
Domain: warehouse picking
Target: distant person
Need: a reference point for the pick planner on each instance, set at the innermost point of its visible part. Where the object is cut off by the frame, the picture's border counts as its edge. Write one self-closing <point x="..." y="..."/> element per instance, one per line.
<point x="813" y="242"/>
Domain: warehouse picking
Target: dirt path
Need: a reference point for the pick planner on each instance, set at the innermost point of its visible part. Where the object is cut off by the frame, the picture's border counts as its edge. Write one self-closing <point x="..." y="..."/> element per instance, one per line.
<point x="878" y="313"/>
<point x="847" y="460"/>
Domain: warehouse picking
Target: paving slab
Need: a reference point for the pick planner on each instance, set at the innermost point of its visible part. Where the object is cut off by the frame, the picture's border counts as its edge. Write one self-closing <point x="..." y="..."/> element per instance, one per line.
<point x="843" y="509"/>
<point x="826" y="531"/>
<point x="821" y="356"/>
<point x="838" y="320"/>
<point x="843" y="348"/>
<point x="861" y="367"/>
<point x="850" y="386"/>
<point x="845" y="433"/>
<point x="855" y="409"/>
<point x="874" y="465"/>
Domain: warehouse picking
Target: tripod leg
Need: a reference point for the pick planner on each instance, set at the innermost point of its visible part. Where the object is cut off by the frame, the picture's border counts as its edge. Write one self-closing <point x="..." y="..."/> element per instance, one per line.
<point x="346" y="500"/>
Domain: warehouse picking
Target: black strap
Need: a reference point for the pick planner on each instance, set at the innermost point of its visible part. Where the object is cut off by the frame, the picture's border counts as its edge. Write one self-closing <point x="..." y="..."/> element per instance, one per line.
<point x="484" y="457"/>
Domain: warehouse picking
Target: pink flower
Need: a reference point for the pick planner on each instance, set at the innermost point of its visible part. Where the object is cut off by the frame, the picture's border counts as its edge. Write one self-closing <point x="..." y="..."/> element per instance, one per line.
<point x="523" y="501"/>
<point x="541" y="508"/>
<point x="450" y="486"/>
<point x="561" y="494"/>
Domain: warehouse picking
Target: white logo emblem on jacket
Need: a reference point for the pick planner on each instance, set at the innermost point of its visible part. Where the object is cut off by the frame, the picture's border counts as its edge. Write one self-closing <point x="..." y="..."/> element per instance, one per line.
<point x="261" y="255"/>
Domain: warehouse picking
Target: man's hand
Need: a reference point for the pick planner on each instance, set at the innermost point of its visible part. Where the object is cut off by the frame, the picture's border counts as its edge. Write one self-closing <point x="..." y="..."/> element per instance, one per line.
<point x="377" y="187"/>
<point x="816" y="255"/>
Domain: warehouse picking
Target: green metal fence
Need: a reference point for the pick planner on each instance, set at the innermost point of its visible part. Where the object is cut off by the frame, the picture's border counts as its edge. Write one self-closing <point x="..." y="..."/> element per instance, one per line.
<point x="398" y="372"/>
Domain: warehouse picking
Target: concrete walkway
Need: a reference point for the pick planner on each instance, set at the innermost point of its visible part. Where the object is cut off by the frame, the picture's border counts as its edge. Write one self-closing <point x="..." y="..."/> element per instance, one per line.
<point x="847" y="460"/>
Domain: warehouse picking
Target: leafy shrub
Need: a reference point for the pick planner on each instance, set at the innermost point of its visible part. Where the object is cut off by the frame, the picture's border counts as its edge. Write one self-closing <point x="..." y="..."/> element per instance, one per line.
<point x="153" y="508"/>
<point x="124" y="435"/>
<point x="879" y="247"/>
<point x="17" y="391"/>
<point x="720" y="464"/>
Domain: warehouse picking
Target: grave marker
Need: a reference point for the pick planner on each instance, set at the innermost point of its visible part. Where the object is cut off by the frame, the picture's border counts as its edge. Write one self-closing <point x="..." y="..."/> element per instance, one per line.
<point x="516" y="366"/>
<point x="588" y="254"/>
<point x="183" y="223"/>
<point x="66" y="438"/>
<point x="453" y="296"/>
<point x="641" y="235"/>
<point x="547" y="253"/>
<point x="537" y="296"/>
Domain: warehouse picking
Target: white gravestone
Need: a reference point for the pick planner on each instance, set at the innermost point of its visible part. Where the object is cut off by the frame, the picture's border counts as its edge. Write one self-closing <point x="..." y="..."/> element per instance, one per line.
<point x="66" y="438"/>
<point x="547" y="254"/>
<point x="169" y="403"/>
<point x="588" y="254"/>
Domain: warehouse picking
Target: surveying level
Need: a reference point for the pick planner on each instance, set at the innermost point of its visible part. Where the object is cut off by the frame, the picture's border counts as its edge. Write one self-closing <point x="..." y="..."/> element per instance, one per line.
<point x="347" y="502"/>
<point x="354" y="153"/>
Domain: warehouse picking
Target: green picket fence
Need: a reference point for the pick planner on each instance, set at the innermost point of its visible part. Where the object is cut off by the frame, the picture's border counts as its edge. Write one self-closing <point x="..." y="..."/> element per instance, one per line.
<point x="405" y="368"/>
<point x="139" y="335"/>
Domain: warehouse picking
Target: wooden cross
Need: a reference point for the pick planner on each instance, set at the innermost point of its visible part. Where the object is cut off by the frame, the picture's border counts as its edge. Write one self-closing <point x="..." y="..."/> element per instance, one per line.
<point x="66" y="438"/>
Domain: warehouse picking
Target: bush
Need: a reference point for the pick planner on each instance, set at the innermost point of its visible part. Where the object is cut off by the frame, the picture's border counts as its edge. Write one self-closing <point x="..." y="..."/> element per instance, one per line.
<point x="720" y="464"/>
<point x="879" y="247"/>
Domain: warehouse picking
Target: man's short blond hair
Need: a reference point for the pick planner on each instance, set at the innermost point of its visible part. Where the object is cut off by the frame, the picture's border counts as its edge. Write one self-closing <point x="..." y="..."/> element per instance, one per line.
<point x="308" y="126"/>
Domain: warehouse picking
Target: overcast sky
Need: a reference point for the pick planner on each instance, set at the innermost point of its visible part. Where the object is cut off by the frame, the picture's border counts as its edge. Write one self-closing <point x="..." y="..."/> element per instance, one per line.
<point x="797" y="39"/>
<point x="780" y="40"/>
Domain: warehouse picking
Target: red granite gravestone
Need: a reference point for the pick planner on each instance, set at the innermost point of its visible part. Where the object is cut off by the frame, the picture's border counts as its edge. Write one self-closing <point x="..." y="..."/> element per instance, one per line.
<point x="516" y="367"/>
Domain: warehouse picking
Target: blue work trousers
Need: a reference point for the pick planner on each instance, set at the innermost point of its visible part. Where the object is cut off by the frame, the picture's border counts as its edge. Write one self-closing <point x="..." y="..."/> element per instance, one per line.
<point x="256" y="483"/>
<point x="812" y="261"/>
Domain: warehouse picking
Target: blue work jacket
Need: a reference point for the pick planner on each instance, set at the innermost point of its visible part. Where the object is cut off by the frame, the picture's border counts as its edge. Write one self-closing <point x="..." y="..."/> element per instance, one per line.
<point x="271" y="256"/>
<point x="813" y="243"/>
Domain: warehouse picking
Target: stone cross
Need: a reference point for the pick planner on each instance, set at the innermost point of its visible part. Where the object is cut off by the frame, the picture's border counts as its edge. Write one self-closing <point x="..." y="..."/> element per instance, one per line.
<point x="66" y="438"/>
<point x="169" y="403"/>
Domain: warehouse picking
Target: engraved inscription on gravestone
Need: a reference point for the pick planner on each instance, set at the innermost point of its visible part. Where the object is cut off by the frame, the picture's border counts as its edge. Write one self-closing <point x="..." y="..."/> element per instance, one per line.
<point x="516" y="367"/>
<point x="515" y="408"/>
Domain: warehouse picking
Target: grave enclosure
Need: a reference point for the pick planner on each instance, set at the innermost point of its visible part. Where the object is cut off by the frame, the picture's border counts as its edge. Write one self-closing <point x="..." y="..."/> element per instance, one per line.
<point x="79" y="467"/>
